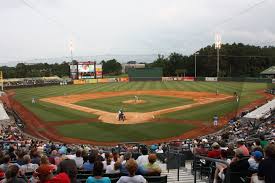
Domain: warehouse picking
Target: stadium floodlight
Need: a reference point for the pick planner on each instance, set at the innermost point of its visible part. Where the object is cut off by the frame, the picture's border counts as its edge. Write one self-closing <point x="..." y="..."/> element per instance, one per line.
<point x="218" y="43"/>
<point x="196" y="63"/>
<point x="71" y="49"/>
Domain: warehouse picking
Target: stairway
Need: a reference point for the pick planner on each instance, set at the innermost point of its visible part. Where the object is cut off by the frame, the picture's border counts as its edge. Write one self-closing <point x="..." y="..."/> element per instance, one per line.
<point x="185" y="175"/>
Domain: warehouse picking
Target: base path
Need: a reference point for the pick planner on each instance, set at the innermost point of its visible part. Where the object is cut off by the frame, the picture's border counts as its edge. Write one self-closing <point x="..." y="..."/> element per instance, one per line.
<point x="200" y="98"/>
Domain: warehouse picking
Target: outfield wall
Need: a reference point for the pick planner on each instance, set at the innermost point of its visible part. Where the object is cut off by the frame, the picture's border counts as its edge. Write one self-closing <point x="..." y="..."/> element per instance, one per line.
<point x="187" y="78"/>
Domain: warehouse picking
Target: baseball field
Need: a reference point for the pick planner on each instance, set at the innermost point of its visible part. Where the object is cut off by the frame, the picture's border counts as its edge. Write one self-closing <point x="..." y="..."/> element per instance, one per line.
<point x="155" y="111"/>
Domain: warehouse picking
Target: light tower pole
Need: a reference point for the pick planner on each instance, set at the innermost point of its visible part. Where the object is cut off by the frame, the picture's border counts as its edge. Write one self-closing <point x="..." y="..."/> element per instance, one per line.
<point x="71" y="49"/>
<point x="196" y="64"/>
<point x="218" y="44"/>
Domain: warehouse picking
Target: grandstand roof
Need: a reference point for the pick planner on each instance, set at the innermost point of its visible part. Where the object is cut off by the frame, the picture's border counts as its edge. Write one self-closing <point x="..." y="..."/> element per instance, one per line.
<point x="261" y="111"/>
<point x="3" y="114"/>
<point x="270" y="70"/>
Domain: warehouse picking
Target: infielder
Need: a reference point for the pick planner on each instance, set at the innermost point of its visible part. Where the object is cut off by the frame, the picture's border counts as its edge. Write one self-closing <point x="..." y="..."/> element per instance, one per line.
<point x="215" y="120"/>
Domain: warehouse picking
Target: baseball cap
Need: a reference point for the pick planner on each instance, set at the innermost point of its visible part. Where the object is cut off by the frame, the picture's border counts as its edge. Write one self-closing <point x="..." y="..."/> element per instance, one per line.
<point x="215" y="144"/>
<point x="44" y="170"/>
<point x="257" y="154"/>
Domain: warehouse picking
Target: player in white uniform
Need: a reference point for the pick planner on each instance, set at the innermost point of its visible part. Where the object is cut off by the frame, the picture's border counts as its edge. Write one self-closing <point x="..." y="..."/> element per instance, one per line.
<point x="136" y="99"/>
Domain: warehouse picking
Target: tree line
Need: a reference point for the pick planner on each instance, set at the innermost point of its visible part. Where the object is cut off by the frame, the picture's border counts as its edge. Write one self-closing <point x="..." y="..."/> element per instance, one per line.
<point x="236" y="60"/>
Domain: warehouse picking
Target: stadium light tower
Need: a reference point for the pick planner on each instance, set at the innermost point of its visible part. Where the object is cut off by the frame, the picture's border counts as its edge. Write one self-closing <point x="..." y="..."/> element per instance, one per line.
<point x="196" y="63"/>
<point x="218" y="44"/>
<point x="71" y="49"/>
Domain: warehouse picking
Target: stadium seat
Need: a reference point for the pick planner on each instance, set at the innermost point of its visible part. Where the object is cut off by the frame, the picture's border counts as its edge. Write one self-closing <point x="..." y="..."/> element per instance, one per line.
<point x="156" y="179"/>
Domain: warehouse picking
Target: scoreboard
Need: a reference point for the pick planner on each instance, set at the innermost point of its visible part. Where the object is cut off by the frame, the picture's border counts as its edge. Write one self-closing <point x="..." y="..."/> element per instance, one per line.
<point x="85" y="70"/>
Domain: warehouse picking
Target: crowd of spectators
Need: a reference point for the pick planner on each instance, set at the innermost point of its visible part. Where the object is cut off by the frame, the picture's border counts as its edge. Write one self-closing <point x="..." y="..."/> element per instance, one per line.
<point x="39" y="81"/>
<point x="247" y="147"/>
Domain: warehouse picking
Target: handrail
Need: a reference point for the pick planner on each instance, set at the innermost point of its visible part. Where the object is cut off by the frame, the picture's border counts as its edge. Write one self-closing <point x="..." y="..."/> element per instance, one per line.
<point x="208" y="159"/>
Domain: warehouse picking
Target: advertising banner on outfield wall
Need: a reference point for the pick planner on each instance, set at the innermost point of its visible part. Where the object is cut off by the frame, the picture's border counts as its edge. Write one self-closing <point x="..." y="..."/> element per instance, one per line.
<point x="188" y="78"/>
<point x="167" y="78"/>
<point x="211" y="79"/>
<point x="103" y="80"/>
<point x="123" y="79"/>
<point x="79" y="82"/>
<point x="112" y="80"/>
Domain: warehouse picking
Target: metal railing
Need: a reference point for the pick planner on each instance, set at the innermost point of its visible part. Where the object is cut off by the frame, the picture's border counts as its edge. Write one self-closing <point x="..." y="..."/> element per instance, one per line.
<point x="196" y="157"/>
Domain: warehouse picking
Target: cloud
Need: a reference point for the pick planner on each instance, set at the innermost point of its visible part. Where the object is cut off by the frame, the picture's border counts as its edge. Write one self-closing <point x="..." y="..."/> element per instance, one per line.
<point x="128" y="27"/>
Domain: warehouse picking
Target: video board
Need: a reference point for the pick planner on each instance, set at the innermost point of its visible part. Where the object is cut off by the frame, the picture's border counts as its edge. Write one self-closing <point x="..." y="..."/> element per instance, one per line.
<point x="86" y="70"/>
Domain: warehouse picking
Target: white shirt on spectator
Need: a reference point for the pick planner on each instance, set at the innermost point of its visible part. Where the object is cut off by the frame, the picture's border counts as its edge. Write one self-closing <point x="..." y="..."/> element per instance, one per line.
<point x="110" y="169"/>
<point x="142" y="160"/>
<point x="78" y="162"/>
<point x="134" y="179"/>
<point x="29" y="168"/>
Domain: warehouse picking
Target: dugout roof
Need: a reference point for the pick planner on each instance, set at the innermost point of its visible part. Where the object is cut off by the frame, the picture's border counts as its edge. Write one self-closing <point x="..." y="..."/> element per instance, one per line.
<point x="270" y="70"/>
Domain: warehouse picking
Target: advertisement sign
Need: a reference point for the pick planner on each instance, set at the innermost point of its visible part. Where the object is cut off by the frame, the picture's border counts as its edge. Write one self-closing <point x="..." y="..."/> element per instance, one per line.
<point x="73" y="68"/>
<point x="167" y="78"/>
<point x="99" y="71"/>
<point x="273" y="80"/>
<point x="211" y="79"/>
<point x="188" y="78"/>
<point x="123" y="79"/>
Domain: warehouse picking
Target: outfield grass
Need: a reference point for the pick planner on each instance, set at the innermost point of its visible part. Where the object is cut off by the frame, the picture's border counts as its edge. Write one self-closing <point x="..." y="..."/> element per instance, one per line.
<point x="206" y="112"/>
<point x="104" y="132"/>
<point x="152" y="103"/>
<point x="51" y="112"/>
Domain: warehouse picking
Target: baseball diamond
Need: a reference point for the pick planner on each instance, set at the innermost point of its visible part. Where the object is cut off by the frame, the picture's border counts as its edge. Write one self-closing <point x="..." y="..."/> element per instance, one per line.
<point x="173" y="109"/>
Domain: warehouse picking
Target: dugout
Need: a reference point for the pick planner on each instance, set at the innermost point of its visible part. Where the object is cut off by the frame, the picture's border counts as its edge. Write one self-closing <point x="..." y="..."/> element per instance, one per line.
<point x="145" y="74"/>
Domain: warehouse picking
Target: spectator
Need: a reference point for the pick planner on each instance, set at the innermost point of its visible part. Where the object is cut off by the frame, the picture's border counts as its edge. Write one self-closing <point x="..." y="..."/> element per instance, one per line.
<point x="45" y="160"/>
<point x="78" y="159"/>
<point x="143" y="159"/>
<point x="88" y="166"/>
<point x="35" y="157"/>
<point x="238" y="167"/>
<point x="45" y="175"/>
<point x="263" y="142"/>
<point x="28" y="166"/>
<point x="132" y="167"/>
<point x="6" y="163"/>
<point x="221" y="166"/>
<point x="215" y="152"/>
<point x="20" y="159"/>
<point x="230" y="150"/>
<point x="127" y="156"/>
<point x="68" y="166"/>
<point x="255" y="160"/>
<point x="110" y="166"/>
<point x="267" y="166"/>
<point x="54" y="158"/>
<point x="201" y="150"/>
<point x="242" y="147"/>
<point x="152" y="168"/>
<point x="97" y="174"/>
<point x="12" y="175"/>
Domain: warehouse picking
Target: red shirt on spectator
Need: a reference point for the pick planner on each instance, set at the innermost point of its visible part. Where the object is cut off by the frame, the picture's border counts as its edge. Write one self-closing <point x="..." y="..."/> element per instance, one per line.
<point x="244" y="150"/>
<point x="215" y="153"/>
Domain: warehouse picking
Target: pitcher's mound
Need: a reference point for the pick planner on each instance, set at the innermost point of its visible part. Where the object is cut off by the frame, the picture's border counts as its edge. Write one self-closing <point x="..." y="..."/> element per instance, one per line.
<point x="134" y="102"/>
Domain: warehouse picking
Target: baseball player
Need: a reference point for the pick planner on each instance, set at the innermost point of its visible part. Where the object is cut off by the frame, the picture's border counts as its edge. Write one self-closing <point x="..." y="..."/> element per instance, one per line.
<point x="215" y="120"/>
<point x="33" y="100"/>
<point x="136" y="99"/>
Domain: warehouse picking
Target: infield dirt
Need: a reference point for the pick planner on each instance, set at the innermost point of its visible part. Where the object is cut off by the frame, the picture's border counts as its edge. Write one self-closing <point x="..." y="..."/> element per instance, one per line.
<point x="200" y="98"/>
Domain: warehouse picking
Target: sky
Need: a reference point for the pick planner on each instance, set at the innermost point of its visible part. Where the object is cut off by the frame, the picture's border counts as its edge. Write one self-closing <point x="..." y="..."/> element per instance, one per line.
<point x="44" y="28"/>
